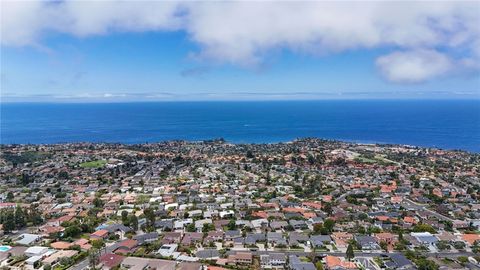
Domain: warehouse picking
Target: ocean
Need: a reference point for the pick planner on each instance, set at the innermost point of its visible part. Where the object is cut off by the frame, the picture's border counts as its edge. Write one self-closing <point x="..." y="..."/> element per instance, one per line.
<point x="442" y="124"/>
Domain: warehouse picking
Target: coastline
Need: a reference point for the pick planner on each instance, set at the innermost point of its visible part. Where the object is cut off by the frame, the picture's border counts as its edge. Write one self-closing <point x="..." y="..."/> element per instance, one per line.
<point x="221" y="140"/>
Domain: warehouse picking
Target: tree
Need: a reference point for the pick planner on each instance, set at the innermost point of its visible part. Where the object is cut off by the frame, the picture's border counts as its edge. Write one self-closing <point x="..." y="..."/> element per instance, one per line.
<point x="9" y="222"/>
<point x="63" y="175"/>
<point x="150" y="216"/>
<point x="400" y="245"/>
<point x="329" y="224"/>
<point x="317" y="228"/>
<point x="442" y="245"/>
<point x="97" y="243"/>
<point x="424" y="228"/>
<point x="459" y="245"/>
<point x="20" y="220"/>
<point x="10" y="196"/>
<point x="327" y="207"/>
<point x="462" y="259"/>
<point x="384" y="245"/>
<point x="97" y="202"/>
<point x="232" y="225"/>
<point x="125" y="219"/>
<point x="424" y="264"/>
<point x="191" y="227"/>
<point x="93" y="257"/>
<point x="133" y="222"/>
<point x="350" y="254"/>
<point x="207" y="227"/>
<point x="72" y="231"/>
<point x="35" y="217"/>
<point x="319" y="265"/>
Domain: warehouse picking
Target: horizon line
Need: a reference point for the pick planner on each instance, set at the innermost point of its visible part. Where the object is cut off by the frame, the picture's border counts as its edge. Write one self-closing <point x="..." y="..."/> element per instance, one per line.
<point x="99" y="101"/>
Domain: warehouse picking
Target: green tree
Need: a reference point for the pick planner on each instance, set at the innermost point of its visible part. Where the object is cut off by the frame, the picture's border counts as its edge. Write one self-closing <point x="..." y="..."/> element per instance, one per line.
<point x="10" y="196"/>
<point x="97" y="243"/>
<point x="329" y="224"/>
<point x="462" y="260"/>
<point x="327" y="207"/>
<point x="125" y="219"/>
<point x="424" y="264"/>
<point x="9" y="221"/>
<point x="400" y="246"/>
<point x="317" y="228"/>
<point x="384" y="245"/>
<point x="319" y="265"/>
<point x="442" y="245"/>
<point x="34" y="216"/>
<point x="424" y="228"/>
<point x="232" y="225"/>
<point x="97" y="202"/>
<point x="459" y="245"/>
<point x="207" y="227"/>
<point x="133" y="222"/>
<point x="72" y="231"/>
<point x="350" y="254"/>
<point x="63" y="175"/>
<point x="93" y="258"/>
<point x="150" y="216"/>
<point x="20" y="220"/>
<point x="191" y="227"/>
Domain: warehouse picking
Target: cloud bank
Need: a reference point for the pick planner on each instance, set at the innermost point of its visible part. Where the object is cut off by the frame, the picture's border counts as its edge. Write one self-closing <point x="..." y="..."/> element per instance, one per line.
<point x="423" y="40"/>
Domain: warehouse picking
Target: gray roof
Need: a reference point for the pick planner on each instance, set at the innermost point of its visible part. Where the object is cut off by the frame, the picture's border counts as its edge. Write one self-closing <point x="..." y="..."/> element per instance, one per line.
<point x="430" y="239"/>
<point x="319" y="240"/>
<point x="146" y="236"/>
<point x="233" y="233"/>
<point x="400" y="260"/>
<point x="254" y="237"/>
<point x="274" y="236"/>
<point x="365" y="239"/>
<point x="27" y="238"/>
<point x="295" y="222"/>
<point x="295" y="237"/>
<point x="118" y="227"/>
<point x="164" y="224"/>
<point x="297" y="264"/>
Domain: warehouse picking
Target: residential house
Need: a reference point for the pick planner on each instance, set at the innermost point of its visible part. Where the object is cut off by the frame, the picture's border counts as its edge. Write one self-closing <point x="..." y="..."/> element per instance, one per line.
<point x="367" y="242"/>
<point x="296" y="264"/>
<point x="273" y="261"/>
<point x="109" y="260"/>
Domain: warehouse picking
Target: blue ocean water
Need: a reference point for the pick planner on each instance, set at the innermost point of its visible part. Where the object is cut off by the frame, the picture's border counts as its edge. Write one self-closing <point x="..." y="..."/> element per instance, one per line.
<point x="443" y="124"/>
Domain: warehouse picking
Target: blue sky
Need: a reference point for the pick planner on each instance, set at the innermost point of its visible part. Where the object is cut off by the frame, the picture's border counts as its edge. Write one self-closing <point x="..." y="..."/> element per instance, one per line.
<point x="116" y="59"/>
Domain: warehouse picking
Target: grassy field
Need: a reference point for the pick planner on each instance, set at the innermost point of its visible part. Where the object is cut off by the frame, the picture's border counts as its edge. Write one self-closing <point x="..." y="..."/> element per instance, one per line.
<point x="377" y="159"/>
<point x="93" y="164"/>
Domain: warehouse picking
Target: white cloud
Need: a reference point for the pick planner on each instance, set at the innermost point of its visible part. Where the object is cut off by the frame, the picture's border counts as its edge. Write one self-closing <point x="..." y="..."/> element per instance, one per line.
<point x="244" y="32"/>
<point x="414" y="66"/>
<point x="23" y="22"/>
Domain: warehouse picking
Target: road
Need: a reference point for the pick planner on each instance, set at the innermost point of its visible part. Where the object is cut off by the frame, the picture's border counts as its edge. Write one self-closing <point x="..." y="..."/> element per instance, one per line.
<point x="84" y="264"/>
<point x="366" y="254"/>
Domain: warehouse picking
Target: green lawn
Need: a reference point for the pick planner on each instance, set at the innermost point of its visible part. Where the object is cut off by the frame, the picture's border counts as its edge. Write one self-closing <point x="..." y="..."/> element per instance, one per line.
<point x="93" y="164"/>
<point x="376" y="159"/>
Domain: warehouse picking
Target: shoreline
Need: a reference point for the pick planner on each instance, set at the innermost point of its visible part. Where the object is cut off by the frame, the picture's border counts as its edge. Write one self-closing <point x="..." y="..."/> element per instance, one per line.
<point x="342" y="141"/>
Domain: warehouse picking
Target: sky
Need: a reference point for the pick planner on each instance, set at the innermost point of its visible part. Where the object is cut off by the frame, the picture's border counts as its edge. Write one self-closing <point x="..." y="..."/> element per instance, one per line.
<point x="118" y="51"/>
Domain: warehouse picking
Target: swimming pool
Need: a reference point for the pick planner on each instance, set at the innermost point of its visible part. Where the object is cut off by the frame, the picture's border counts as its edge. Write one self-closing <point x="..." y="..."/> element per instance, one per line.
<point x="5" y="248"/>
